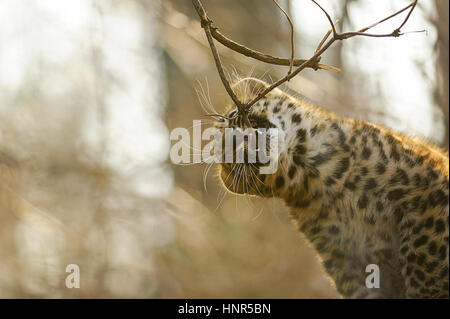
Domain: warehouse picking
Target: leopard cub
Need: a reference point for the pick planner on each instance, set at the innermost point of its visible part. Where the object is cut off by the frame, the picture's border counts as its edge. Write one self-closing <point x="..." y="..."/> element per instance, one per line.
<point x="361" y="193"/>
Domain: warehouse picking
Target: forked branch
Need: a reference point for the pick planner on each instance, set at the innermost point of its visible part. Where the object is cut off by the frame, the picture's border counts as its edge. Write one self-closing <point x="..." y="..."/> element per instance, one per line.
<point x="313" y="62"/>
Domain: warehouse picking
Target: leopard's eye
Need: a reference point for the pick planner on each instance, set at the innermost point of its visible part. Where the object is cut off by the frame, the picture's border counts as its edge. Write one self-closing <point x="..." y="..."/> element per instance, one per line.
<point x="232" y="113"/>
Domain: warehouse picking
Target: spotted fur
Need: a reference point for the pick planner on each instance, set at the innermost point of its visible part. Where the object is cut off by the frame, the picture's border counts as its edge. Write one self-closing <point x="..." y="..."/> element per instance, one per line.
<point x="361" y="193"/>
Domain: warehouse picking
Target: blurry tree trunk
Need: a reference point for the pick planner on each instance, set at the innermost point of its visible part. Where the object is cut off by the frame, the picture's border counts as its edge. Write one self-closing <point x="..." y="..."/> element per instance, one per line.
<point x="441" y="93"/>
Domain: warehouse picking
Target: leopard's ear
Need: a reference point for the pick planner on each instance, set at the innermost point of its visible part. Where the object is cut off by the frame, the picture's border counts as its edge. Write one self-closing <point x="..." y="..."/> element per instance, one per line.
<point x="248" y="88"/>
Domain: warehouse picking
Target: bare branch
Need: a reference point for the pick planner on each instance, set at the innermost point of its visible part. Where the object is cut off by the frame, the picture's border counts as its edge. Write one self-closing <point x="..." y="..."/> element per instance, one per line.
<point x="325" y="38"/>
<point x="333" y="28"/>
<point x="263" y="57"/>
<point x="292" y="35"/>
<point x="391" y="16"/>
<point x="336" y="36"/>
<point x="395" y="33"/>
<point x="312" y="62"/>
<point x="206" y="25"/>
<point x="409" y="14"/>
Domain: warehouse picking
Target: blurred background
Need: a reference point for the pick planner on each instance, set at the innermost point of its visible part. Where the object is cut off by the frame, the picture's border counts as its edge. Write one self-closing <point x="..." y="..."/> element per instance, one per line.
<point x="89" y="91"/>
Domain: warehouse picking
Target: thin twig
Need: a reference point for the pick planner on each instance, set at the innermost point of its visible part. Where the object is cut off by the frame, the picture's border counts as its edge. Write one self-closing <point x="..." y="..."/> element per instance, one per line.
<point x="291" y="25"/>
<point x="312" y="60"/>
<point x="325" y="38"/>
<point x="409" y="13"/>
<point x="413" y="4"/>
<point x="333" y="28"/>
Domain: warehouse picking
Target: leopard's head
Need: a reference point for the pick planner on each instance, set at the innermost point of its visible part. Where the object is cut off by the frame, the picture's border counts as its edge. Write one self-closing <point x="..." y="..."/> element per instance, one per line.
<point x="260" y="141"/>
